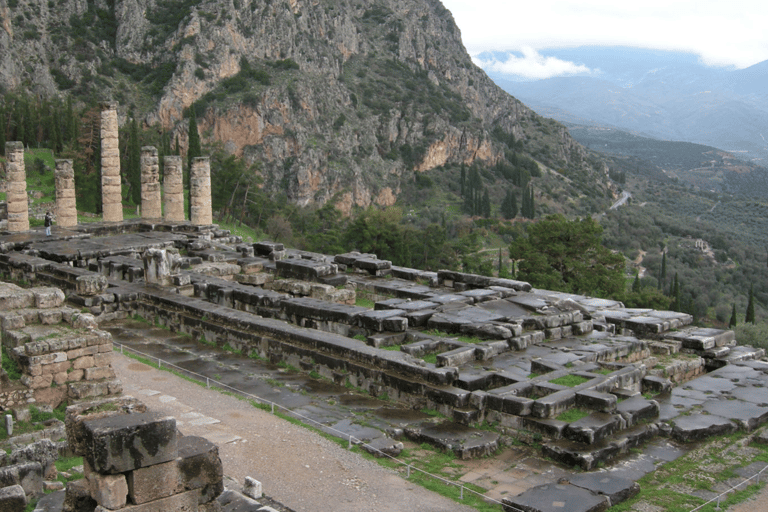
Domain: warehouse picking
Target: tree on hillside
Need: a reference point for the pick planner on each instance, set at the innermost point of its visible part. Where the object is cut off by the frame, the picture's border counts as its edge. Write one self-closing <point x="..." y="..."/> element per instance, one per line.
<point x="732" y="321"/>
<point x="509" y="205"/>
<point x="564" y="255"/>
<point x="750" y="316"/>
<point x="132" y="166"/>
<point x="193" y="151"/>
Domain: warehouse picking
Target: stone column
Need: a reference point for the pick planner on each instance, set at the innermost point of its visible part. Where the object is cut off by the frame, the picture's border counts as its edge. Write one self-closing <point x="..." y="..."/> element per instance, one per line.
<point x="151" y="206"/>
<point x="66" y="208"/>
<point x="18" y="204"/>
<point x="200" y="192"/>
<point x="111" y="193"/>
<point x="173" y="186"/>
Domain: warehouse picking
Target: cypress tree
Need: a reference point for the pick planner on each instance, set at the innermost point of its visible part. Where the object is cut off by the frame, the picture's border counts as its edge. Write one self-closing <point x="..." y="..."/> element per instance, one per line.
<point x="675" y="295"/>
<point x="732" y="321"/>
<point x="486" y="204"/>
<point x="750" y="316"/>
<point x="636" y="283"/>
<point x="2" y="131"/>
<point x="133" y="167"/>
<point x="463" y="178"/>
<point x="663" y="266"/>
<point x="193" y="150"/>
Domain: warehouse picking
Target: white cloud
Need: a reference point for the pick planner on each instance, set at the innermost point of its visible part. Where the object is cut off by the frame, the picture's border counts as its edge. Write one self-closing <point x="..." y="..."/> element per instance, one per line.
<point x="532" y="65"/>
<point x="723" y="34"/>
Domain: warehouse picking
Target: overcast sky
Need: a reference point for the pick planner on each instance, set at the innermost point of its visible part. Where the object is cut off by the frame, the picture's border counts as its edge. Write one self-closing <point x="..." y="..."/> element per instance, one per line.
<point x="731" y="33"/>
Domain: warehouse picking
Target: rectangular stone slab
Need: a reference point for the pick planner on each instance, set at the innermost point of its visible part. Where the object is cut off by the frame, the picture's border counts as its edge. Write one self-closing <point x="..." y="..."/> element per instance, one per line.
<point x="123" y="443"/>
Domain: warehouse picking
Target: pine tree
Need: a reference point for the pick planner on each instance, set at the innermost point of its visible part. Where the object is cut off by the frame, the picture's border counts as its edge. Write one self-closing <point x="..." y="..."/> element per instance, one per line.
<point x="732" y="321"/>
<point x="750" y="316"/>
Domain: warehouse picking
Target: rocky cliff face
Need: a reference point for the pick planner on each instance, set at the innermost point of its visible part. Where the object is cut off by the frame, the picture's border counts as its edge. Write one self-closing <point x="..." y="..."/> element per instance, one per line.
<point x="337" y="99"/>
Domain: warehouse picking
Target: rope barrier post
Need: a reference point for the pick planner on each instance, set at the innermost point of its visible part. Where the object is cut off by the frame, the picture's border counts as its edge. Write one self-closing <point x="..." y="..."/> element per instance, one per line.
<point x="121" y="350"/>
<point x="349" y="445"/>
<point x="461" y="495"/>
<point x="159" y="363"/>
<point x="208" y="383"/>
<point x="408" y="473"/>
<point x="273" y="407"/>
<point x="718" y="503"/>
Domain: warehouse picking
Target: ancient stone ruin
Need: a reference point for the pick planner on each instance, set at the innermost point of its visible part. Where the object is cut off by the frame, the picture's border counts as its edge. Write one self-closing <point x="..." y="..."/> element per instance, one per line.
<point x="474" y="348"/>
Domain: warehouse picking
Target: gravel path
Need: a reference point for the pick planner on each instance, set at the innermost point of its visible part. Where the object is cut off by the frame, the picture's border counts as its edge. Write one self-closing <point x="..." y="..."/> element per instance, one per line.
<point x="296" y="467"/>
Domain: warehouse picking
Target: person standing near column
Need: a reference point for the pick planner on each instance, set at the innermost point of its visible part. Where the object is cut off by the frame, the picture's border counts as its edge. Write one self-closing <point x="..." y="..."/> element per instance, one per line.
<point x="48" y="223"/>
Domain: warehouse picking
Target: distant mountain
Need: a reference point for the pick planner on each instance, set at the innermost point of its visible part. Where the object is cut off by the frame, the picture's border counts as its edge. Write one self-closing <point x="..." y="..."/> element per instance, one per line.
<point x="666" y="95"/>
<point x="708" y="168"/>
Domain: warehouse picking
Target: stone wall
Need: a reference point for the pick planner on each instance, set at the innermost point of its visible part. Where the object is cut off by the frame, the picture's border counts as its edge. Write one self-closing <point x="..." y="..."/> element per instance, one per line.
<point x="59" y="352"/>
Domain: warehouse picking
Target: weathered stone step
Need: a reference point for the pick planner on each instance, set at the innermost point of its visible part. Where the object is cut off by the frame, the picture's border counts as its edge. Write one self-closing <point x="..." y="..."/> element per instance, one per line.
<point x="589" y="457"/>
<point x="466" y="442"/>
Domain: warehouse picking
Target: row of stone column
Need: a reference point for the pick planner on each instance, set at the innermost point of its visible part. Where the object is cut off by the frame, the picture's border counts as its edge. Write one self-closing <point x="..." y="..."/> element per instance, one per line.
<point x="66" y="212"/>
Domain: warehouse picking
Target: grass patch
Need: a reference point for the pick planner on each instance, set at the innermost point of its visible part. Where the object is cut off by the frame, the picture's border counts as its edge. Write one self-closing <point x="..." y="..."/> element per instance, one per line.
<point x="430" y="358"/>
<point x="572" y="415"/>
<point x="569" y="380"/>
<point x="11" y="367"/>
<point x="396" y="348"/>
<point x="364" y="302"/>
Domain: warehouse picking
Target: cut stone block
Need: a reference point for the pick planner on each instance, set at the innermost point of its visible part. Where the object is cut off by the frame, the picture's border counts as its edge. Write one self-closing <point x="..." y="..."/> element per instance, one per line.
<point x="184" y="502"/>
<point x="29" y="475"/>
<point x="110" y="491"/>
<point x="199" y="467"/>
<point x="555" y="497"/>
<point x="12" y="498"/>
<point x="252" y="488"/>
<point x="122" y="443"/>
<point x="152" y="482"/>
<point x="77" y="414"/>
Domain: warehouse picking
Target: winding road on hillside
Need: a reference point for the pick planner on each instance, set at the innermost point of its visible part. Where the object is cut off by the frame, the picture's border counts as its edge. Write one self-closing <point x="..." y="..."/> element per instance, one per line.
<point x="623" y="199"/>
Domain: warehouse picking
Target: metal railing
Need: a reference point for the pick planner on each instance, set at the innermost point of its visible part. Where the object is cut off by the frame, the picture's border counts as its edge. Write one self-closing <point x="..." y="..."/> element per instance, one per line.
<point x="719" y="497"/>
<point x="309" y="421"/>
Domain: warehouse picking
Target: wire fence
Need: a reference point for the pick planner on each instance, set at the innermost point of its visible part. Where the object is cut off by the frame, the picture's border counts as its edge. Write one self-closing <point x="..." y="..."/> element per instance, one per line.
<point x="351" y="440"/>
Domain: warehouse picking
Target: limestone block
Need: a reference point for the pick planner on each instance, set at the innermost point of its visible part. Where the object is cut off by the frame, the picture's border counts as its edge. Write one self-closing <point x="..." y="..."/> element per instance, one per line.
<point x="153" y="482"/>
<point x="90" y="285"/>
<point x="116" y="444"/>
<point x="12" y="498"/>
<point x="185" y="502"/>
<point x="77" y="497"/>
<point x="200" y="467"/>
<point x="56" y="367"/>
<point x="84" y="321"/>
<point x="110" y="491"/>
<point x="50" y="316"/>
<point x="102" y="359"/>
<point x="38" y="382"/>
<point x="75" y="375"/>
<point x="252" y="488"/>
<point x="78" y="413"/>
<point x="98" y="373"/>
<point x="81" y="363"/>
<point x="28" y="475"/>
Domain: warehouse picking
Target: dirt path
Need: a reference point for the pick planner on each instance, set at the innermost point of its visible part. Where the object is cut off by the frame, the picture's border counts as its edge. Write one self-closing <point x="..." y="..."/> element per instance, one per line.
<point x="298" y="468"/>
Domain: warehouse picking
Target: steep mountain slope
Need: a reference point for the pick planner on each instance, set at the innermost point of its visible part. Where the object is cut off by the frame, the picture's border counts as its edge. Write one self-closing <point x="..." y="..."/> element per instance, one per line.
<point x="336" y="100"/>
